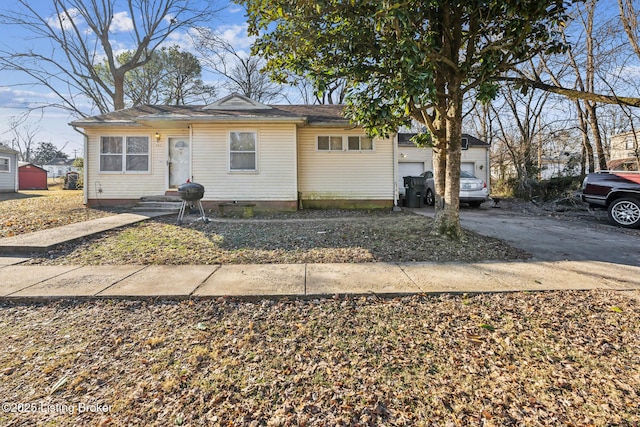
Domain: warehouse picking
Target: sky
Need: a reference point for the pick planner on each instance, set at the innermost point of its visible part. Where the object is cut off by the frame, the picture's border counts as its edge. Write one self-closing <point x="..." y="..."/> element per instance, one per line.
<point x="17" y="95"/>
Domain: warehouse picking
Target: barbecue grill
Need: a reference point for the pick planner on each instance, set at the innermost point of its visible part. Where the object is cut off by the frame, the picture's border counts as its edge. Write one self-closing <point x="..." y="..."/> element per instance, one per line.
<point x="191" y="194"/>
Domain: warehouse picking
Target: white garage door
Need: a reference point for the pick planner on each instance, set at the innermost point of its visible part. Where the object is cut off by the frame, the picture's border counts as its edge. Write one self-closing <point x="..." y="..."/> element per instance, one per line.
<point x="408" y="169"/>
<point x="468" y="167"/>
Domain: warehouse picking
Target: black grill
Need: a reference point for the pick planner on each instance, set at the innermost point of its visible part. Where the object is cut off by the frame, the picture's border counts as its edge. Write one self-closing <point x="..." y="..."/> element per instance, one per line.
<point x="191" y="191"/>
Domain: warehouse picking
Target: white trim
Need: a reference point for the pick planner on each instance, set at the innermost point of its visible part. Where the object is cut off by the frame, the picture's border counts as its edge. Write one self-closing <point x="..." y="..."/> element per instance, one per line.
<point x="256" y="151"/>
<point x="345" y="143"/>
<point x="8" y="164"/>
<point x="124" y="154"/>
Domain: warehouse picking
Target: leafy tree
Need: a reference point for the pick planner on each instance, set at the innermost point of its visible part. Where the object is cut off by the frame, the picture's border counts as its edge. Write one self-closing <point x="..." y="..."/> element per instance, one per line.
<point x="408" y="60"/>
<point x="80" y="31"/>
<point x="46" y="152"/>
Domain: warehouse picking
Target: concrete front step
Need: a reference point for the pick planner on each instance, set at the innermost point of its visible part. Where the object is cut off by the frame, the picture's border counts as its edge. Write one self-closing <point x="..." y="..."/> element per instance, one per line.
<point x="162" y="198"/>
<point x="158" y="206"/>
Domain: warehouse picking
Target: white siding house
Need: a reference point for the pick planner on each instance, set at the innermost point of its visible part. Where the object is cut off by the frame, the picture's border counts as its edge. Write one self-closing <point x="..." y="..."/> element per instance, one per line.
<point x="412" y="160"/>
<point x="8" y="170"/>
<point x="278" y="157"/>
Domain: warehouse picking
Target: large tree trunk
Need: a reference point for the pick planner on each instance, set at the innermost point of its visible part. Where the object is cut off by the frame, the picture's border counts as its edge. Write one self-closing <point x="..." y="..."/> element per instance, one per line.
<point x="597" y="138"/>
<point x="447" y="221"/>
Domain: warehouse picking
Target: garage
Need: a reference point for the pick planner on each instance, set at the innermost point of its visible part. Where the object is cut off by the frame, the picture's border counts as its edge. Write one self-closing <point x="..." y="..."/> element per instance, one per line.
<point x="408" y="169"/>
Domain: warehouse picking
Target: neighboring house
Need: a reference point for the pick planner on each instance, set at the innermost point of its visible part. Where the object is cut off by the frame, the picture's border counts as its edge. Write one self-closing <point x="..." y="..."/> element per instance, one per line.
<point x="32" y="177"/>
<point x="59" y="167"/>
<point x="279" y="157"/>
<point x="8" y="170"/>
<point x="412" y="160"/>
<point x="624" y="152"/>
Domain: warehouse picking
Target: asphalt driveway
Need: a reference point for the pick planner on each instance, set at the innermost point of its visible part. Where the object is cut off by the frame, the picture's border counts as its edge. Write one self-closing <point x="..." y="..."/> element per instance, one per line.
<point x="550" y="238"/>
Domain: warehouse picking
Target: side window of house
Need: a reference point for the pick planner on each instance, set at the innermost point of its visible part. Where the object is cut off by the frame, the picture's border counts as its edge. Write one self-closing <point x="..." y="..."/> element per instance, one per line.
<point x="629" y="143"/>
<point x="360" y="143"/>
<point x="243" y="150"/>
<point x="329" y="143"/>
<point x="4" y="164"/>
<point x="120" y="154"/>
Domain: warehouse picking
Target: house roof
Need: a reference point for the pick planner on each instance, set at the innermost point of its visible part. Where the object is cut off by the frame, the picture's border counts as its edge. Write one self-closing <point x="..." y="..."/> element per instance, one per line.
<point x="404" y="139"/>
<point x="58" y="161"/>
<point x="229" y="109"/>
<point x="6" y="150"/>
<point x="630" y="163"/>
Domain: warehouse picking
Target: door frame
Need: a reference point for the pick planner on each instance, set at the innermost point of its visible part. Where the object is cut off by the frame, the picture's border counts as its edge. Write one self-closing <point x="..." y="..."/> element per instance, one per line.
<point x="167" y="182"/>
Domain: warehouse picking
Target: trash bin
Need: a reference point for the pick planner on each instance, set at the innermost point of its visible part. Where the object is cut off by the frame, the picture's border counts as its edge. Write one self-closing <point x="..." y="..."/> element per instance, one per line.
<point x="414" y="191"/>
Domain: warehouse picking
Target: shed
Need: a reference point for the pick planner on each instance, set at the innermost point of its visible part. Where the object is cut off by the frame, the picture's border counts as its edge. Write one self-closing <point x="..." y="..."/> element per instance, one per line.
<point x="32" y="177"/>
<point x="8" y="170"/>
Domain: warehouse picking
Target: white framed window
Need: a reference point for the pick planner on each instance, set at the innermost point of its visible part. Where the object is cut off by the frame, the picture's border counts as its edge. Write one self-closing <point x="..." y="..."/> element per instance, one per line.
<point x="5" y="164"/>
<point x="243" y="151"/>
<point x="359" y="143"/>
<point x="125" y="154"/>
<point x="329" y="143"/>
<point x="465" y="143"/>
<point x="629" y="143"/>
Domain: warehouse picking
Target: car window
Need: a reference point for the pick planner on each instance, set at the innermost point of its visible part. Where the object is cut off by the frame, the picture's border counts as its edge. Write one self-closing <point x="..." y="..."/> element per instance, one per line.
<point x="465" y="174"/>
<point x="427" y="174"/>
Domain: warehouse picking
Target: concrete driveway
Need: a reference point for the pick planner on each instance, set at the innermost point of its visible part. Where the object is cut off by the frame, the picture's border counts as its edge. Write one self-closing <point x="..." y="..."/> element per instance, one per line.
<point x="554" y="239"/>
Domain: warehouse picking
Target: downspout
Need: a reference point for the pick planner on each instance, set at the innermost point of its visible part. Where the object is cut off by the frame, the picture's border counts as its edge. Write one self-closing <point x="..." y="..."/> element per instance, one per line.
<point x="395" y="171"/>
<point x="85" y="168"/>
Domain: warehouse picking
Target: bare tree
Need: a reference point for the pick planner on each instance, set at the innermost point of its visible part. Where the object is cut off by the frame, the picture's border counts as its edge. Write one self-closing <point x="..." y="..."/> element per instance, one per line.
<point x="23" y="136"/>
<point x="242" y="71"/>
<point x="82" y="32"/>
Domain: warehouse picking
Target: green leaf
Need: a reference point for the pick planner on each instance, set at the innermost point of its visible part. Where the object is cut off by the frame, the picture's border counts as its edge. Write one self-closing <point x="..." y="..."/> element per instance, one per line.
<point x="487" y="327"/>
<point x="616" y="309"/>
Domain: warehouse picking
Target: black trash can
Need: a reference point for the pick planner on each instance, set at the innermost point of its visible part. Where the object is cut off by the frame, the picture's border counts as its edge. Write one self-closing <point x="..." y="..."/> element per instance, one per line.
<point x="414" y="191"/>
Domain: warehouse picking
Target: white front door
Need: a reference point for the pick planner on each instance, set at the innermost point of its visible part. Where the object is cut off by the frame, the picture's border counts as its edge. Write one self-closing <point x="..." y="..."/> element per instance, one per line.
<point x="179" y="161"/>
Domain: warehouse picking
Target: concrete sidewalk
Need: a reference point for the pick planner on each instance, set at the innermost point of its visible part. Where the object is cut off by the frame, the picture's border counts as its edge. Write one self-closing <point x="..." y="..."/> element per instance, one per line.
<point x="18" y="281"/>
<point x="44" y="240"/>
<point x="26" y="282"/>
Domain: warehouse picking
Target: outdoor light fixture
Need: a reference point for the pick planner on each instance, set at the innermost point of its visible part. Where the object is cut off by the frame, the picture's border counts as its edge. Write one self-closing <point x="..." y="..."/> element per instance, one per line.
<point x="157" y="136"/>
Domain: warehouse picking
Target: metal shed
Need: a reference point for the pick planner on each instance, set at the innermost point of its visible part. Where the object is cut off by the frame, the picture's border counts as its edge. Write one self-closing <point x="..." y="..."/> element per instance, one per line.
<point x="32" y="177"/>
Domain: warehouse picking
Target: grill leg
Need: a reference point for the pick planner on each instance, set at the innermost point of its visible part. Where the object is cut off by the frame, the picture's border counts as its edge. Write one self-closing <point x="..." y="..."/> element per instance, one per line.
<point x="202" y="215"/>
<point x="181" y="212"/>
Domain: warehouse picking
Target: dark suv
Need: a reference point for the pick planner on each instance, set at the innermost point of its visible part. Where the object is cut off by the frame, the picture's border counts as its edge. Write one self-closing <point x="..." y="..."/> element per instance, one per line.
<point x="618" y="192"/>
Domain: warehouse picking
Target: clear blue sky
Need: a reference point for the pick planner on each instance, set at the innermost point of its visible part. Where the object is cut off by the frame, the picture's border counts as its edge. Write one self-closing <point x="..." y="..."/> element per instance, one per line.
<point x="17" y="94"/>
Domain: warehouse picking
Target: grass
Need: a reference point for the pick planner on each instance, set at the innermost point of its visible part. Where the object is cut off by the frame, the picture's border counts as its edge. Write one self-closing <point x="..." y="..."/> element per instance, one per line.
<point x="35" y="210"/>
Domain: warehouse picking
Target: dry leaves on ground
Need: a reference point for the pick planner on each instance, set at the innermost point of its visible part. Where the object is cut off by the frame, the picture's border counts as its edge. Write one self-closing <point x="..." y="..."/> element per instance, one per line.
<point x="30" y="211"/>
<point x="321" y="237"/>
<point x="552" y="358"/>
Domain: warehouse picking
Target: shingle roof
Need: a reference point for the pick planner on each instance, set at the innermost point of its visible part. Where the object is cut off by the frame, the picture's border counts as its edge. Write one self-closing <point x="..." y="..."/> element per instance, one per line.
<point x="312" y="114"/>
<point x="404" y="139"/>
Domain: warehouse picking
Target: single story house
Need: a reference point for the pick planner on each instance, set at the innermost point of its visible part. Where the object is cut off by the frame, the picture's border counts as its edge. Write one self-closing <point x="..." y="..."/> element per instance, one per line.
<point x="412" y="160"/>
<point x="32" y="177"/>
<point x="59" y="167"/>
<point x="279" y="157"/>
<point x="8" y="170"/>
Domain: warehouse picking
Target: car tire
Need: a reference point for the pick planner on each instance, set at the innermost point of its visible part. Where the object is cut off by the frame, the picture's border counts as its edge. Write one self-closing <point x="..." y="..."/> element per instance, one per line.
<point x="625" y="212"/>
<point x="475" y="204"/>
<point x="429" y="200"/>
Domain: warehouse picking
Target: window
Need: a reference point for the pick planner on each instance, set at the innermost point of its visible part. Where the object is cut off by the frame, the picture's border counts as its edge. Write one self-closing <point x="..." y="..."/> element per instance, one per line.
<point x="360" y="143"/>
<point x="124" y="154"/>
<point x="330" y="143"/>
<point x="242" y="151"/>
<point x="629" y="143"/>
<point x="465" y="143"/>
<point x="4" y="164"/>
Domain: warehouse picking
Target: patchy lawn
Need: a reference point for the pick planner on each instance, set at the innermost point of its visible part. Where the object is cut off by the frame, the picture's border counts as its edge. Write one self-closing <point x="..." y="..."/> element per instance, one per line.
<point x="36" y="210"/>
<point x="551" y="358"/>
<point x="302" y="237"/>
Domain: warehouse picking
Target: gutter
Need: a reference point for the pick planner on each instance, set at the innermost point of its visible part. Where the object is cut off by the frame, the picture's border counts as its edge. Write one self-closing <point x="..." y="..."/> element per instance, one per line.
<point x="85" y="188"/>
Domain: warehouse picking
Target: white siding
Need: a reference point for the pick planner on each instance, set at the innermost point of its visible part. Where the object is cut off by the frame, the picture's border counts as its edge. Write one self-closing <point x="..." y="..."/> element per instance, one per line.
<point x="275" y="178"/>
<point x="355" y="175"/>
<point x="128" y="185"/>
<point x="8" y="179"/>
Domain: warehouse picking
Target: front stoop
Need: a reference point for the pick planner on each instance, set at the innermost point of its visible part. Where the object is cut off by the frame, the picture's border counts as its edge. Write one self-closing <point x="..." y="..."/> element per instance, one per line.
<point x="168" y="204"/>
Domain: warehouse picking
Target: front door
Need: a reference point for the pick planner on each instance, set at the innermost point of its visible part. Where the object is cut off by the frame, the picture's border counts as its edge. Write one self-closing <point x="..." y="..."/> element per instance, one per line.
<point x="179" y="164"/>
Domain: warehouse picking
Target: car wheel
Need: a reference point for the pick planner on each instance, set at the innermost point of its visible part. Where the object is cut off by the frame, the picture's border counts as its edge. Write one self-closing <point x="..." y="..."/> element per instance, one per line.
<point x="429" y="200"/>
<point x="475" y="204"/>
<point x="625" y="212"/>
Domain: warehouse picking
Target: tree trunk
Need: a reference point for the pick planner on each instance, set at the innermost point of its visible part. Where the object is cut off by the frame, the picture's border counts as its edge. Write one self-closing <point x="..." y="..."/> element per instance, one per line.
<point x="586" y="144"/>
<point x="597" y="138"/>
<point x="447" y="220"/>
